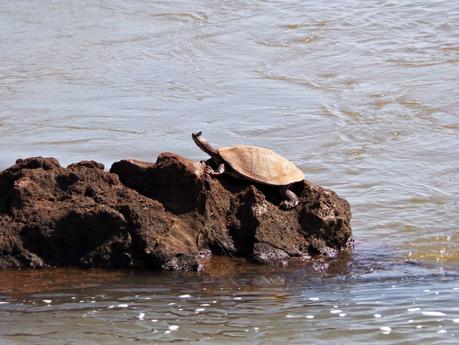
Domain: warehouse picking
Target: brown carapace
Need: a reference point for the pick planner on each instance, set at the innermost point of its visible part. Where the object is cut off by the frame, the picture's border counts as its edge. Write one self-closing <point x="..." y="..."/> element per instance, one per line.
<point x="261" y="165"/>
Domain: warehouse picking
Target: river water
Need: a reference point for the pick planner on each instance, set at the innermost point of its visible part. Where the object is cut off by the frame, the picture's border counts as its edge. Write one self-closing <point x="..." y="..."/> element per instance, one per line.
<point x="362" y="95"/>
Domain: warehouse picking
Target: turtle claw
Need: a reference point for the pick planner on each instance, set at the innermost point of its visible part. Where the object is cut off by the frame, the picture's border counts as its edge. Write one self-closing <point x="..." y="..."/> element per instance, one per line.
<point x="288" y="204"/>
<point x="209" y="170"/>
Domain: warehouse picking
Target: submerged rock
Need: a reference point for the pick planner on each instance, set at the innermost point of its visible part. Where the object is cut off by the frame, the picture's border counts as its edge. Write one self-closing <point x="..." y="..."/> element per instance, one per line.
<point x="167" y="215"/>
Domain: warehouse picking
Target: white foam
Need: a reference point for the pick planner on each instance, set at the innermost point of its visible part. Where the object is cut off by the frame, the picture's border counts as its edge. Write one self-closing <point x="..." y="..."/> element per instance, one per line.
<point x="413" y="309"/>
<point x="442" y="331"/>
<point x="47" y="301"/>
<point x="141" y="316"/>
<point x="377" y="315"/>
<point x="237" y="298"/>
<point x="335" y="311"/>
<point x="4" y="302"/>
<point x="123" y="305"/>
<point x="342" y="314"/>
<point x="291" y="316"/>
<point x="419" y="326"/>
<point x="314" y="298"/>
<point x="456" y="320"/>
<point x="198" y="310"/>
<point x="173" y="327"/>
<point x="185" y="296"/>
<point x="310" y="316"/>
<point x="433" y="313"/>
<point x="386" y="330"/>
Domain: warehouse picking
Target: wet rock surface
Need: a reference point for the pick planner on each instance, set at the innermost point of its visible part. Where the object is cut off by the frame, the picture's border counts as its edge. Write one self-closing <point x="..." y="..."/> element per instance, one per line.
<point x="167" y="215"/>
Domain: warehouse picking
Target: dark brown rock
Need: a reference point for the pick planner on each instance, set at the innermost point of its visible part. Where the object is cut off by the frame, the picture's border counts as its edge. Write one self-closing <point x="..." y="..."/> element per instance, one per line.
<point x="166" y="215"/>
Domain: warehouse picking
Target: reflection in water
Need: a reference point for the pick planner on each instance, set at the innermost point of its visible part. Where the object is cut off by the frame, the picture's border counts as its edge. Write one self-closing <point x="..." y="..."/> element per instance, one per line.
<point x="362" y="96"/>
<point x="237" y="303"/>
<point x="35" y="281"/>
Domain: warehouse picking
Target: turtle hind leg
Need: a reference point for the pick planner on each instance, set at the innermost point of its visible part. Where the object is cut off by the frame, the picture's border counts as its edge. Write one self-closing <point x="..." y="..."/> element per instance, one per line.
<point x="290" y="199"/>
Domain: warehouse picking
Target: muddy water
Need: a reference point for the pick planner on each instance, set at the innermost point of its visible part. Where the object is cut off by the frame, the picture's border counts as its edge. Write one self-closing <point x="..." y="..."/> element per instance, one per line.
<point x="363" y="96"/>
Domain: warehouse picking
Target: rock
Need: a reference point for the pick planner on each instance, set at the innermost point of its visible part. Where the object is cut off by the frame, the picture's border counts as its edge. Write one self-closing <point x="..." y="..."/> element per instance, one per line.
<point x="167" y="215"/>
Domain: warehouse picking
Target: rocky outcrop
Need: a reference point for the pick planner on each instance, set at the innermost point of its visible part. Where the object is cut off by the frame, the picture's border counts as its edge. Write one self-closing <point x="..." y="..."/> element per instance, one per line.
<point x="167" y="215"/>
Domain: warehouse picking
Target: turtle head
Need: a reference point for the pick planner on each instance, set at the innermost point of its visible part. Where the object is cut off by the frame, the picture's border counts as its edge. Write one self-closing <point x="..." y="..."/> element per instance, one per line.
<point x="204" y="145"/>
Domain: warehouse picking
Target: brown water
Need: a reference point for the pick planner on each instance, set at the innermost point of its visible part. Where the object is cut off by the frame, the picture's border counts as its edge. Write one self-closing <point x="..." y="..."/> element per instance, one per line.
<point x="363" y="96"/>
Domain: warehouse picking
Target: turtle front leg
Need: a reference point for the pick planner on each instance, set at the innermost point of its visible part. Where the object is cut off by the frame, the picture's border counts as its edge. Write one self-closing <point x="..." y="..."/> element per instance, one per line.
<point x="290" y="199"/>
<point x="220" y="170"/>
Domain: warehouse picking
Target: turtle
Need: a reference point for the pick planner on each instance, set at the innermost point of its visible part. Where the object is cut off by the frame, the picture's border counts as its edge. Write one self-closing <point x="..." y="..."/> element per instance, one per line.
<point x="257" y="164"/>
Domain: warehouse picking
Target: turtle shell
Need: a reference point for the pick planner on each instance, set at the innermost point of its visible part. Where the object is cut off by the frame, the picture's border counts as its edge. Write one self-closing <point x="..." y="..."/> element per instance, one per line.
<point x="261" y="165"/>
